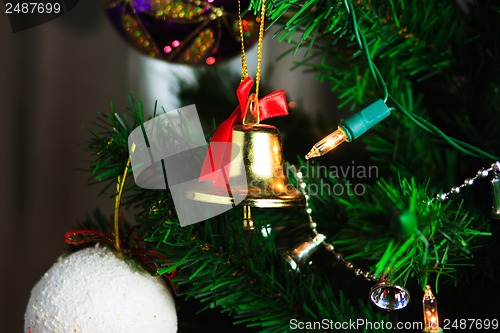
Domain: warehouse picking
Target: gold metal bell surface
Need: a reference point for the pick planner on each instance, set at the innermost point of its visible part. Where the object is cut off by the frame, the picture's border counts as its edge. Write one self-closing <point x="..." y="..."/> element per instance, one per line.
<point x="267" y="184"/>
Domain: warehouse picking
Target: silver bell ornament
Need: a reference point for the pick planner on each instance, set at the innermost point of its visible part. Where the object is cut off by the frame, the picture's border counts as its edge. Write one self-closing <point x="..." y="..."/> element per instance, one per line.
<point x="299" y="256"/>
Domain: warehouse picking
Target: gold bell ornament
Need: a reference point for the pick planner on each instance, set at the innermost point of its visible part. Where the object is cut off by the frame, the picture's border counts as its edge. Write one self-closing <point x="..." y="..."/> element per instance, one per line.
<point x="261" y="160"/>
<point x="267" y="185"/>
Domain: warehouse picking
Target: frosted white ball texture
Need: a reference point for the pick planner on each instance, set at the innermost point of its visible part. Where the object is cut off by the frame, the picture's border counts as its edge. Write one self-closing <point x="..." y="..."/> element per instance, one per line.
<point x="93" y="291"/>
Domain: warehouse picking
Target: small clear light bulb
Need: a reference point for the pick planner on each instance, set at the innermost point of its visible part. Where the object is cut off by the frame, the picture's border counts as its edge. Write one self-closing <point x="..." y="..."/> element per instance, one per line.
<point x="431" y="318"/>
<point x="328" y="143"/>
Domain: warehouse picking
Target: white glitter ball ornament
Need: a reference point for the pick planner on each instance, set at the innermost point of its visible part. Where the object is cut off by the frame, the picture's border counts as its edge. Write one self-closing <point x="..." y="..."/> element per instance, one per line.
<point x="93" y="291"/>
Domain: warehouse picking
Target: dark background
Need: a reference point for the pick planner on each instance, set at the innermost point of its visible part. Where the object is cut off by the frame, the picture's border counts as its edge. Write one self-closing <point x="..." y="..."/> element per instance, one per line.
<point x="53" y="79"/>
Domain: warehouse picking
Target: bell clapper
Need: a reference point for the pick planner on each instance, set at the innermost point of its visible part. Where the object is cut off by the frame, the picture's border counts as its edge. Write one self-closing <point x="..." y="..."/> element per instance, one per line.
<point x="248" y="222"/>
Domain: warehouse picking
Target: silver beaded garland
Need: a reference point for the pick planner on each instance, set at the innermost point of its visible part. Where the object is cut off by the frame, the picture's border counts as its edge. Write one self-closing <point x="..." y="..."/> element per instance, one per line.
<point x="384" y="294"/>
<point x="495" y="191"/>
<point x="384" y="287"/>
<point x="481" y="173"/>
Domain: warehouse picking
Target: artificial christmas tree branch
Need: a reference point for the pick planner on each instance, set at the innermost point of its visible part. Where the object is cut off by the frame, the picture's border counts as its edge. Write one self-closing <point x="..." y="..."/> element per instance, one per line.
<point x="395" y="229"/>
<point x="216" y="260"/>
<point x="429" y="62"/>
<point x="210" y="256"/>
<point x="372" y="68"/>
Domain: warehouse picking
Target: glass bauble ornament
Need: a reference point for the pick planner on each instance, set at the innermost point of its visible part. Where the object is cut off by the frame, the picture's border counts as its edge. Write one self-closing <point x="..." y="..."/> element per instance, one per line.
<point x="389" y="296"/>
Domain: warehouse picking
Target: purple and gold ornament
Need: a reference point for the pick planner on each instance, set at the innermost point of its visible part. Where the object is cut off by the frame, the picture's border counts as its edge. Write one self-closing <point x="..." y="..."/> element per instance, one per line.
<point x="193" y="32"/>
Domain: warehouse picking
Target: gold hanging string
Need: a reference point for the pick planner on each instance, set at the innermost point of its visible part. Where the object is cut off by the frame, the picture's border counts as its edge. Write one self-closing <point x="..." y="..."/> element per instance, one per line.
<point x="259" y="49"/>
<point x="244" y="66"/>
<point x="119" y="191"/>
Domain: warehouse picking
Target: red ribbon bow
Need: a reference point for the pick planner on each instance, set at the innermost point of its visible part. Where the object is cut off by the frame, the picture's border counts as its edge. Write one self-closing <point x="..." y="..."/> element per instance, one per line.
<point x="272" y="105"/>
<point x="147" y="258"/>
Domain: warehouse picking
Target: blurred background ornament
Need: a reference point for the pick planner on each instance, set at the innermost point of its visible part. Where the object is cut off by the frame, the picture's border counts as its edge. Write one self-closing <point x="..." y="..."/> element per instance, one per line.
<point x="192" y="32"/>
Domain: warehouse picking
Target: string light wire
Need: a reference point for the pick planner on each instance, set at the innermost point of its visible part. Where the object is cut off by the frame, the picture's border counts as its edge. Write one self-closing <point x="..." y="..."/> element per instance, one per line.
<point x="417" y="120"/>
